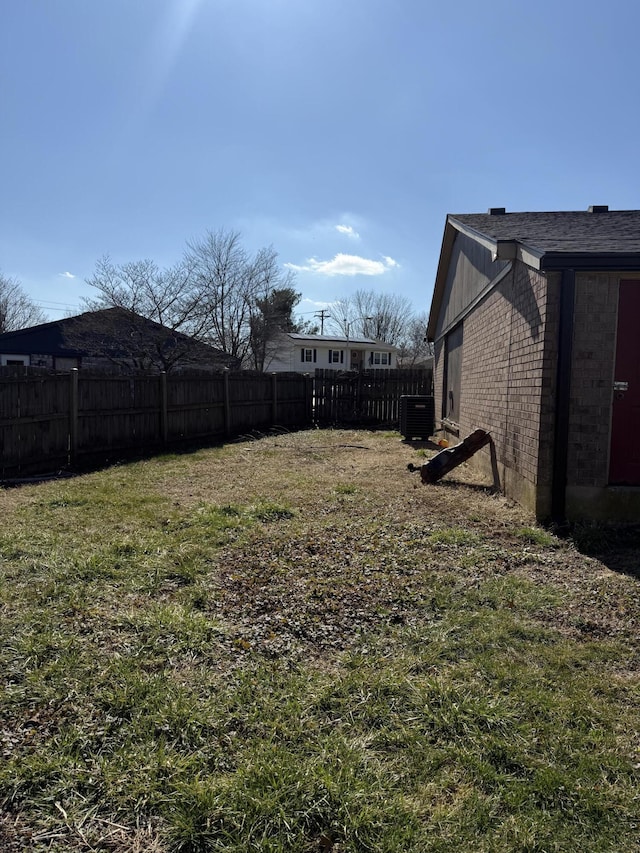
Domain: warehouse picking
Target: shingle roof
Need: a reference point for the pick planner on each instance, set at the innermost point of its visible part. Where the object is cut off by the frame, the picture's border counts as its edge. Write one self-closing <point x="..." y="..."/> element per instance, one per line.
<point x="103" y="332"/>
<point x="369" y="343"/>
<point x="561" y="231"/>
<point x="556" y="240"/>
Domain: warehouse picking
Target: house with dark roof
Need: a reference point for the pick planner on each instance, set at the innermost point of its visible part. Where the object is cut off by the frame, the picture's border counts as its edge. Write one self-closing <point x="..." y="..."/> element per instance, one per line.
<point x="535" y="324"/>
<point x="306" y="353"/>
<point x="110" y="339"/>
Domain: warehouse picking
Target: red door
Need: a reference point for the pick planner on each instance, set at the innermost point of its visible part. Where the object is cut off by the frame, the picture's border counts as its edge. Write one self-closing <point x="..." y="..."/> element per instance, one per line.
<point x="624" y="464"/>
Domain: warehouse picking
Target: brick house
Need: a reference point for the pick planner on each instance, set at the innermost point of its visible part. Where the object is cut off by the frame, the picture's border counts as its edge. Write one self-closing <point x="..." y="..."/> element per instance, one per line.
<point x="109" y="339"/>
<point x="534" y="320"/>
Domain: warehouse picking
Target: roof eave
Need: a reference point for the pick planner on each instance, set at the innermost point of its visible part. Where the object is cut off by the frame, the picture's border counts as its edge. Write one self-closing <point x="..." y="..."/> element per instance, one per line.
<point x="623" y="261"/>
<point x="532" y="256"/>
<point x="448" y="239"/>
<point x="506" y="250"/>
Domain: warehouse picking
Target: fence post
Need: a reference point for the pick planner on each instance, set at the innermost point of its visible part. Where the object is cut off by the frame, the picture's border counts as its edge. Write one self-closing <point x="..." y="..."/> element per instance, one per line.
<point x="164" y="408"/>
<point x="227" y="403"/>
<point x="308" y="399"/>
<point x="274" y="399"/>
<point x="73" y="415"/>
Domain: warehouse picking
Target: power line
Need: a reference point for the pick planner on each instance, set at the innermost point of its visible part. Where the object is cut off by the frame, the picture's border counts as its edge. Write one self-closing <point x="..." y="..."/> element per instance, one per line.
<point x="321" y="314"/>
<point x="52" y="305"/>
<point x="52" y="302"/>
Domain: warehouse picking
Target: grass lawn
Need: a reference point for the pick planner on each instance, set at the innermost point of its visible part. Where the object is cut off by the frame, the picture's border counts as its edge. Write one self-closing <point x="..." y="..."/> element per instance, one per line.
<point x="291" y="644"/>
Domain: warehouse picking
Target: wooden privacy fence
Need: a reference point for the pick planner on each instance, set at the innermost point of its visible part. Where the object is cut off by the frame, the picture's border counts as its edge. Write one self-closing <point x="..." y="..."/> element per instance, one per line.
<point x="365" y="397"/>
<point x="51" y="420"/>
<point x="48" y="421"/>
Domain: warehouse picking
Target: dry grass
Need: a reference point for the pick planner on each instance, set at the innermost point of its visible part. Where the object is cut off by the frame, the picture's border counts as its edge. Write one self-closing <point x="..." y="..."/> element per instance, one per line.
<point x="351" y="488"/>
<point x="292" y="644"/>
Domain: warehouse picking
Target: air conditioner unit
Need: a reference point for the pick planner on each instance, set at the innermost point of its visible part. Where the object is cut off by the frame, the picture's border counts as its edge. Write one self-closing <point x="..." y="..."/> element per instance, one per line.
<point x="417" y="416"/>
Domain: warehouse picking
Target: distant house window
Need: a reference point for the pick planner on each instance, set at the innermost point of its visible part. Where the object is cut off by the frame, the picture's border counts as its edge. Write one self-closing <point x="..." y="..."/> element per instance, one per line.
<point x="14" y="360"/>
<point x="452" y="375"/>
<point x="308" y="355"/>
<point x="382" y="358"/>
<point x="61" y="363"/>
<point x="336" y="356"/>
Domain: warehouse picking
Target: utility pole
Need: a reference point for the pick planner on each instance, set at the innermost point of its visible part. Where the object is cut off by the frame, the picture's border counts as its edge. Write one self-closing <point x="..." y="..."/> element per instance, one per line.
<point x="321" y="314"/>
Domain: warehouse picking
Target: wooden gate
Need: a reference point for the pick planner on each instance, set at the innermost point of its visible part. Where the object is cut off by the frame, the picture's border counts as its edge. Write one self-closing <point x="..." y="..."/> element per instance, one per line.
<point x="367" y="397"/>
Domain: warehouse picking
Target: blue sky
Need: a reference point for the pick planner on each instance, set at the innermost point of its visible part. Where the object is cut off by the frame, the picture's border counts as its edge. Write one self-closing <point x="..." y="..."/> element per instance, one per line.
<point x="340" y="131"/>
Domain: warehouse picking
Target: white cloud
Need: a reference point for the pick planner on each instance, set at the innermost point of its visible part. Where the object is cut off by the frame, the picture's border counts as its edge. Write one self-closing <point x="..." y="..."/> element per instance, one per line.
<point x="348" y="231"/>
<point x="343" y="264"/>
<point x="345" y="223"/>
<point x="315" y="303"/>
<point x="66" y="275"/>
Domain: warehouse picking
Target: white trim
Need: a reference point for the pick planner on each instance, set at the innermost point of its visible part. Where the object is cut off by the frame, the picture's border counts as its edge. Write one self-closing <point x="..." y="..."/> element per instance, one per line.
<point x="5" y="358"/>
<point x="305" y="351"/>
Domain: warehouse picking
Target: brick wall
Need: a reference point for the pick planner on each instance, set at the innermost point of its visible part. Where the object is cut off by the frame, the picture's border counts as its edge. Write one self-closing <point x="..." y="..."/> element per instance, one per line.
<point x="508" y="380"/>
<point x="485" y="367"/>
<point x="502" y="372"/>
<point x="509" y="374"/>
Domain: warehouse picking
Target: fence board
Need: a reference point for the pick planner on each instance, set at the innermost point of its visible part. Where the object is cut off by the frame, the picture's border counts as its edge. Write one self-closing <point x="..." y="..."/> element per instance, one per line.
<point x="368" y="397"/>
<point x="195" y="406"/>
<point x="45" y="423"/>
<point x="118" y="412"/>
<point x="34" y="420"/>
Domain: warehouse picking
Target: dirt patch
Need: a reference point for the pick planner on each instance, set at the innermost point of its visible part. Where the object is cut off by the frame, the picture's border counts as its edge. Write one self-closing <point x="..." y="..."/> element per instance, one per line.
<point x="358" y="535"/>
<point x="358" y="548"/>
<point x="306" y="466"/>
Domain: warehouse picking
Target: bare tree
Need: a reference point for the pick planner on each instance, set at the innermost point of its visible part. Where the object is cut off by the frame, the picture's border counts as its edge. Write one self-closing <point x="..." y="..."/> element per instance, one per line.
<point x="166" y="296"/>
<point x="231" y="287"/>
<point x="383" y="316"/>
<point x="414" y="347"/>
<point x="216" y="294"/>
<point x="17" y="310"/>
<point x="159" y="324"/>
<point x="224" y="279"/>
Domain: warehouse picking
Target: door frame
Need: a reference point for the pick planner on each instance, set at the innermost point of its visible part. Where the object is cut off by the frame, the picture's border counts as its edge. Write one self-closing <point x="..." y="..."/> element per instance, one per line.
<point x="614" y="460"/>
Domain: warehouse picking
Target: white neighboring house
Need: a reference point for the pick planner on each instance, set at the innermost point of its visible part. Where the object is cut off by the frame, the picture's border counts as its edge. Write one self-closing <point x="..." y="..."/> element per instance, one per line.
<point x="306" y="353"/>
